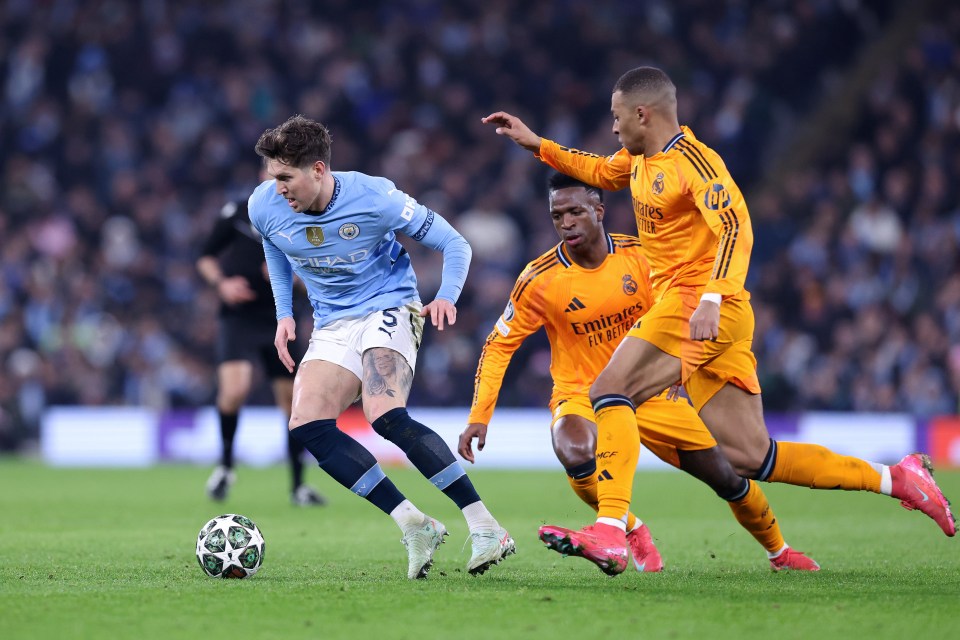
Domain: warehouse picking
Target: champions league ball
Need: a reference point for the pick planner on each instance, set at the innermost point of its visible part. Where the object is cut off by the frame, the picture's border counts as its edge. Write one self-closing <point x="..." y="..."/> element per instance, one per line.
<point x="230" y="546"/>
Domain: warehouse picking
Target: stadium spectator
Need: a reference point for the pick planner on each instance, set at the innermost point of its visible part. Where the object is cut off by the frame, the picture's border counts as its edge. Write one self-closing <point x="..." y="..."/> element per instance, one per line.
<point x="125" y="127"/>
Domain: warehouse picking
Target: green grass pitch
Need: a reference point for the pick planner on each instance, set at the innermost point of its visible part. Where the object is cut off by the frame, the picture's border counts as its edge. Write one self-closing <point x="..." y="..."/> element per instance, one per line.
<point x="93" y="553"/>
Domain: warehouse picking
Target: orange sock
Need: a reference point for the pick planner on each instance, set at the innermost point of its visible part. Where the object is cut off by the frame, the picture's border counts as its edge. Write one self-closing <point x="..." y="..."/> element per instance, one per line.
<point x="586" y="490"/>
<point x="754" y="514"/>
<point x="618" y="448"/>
<point x="810" y="465"/>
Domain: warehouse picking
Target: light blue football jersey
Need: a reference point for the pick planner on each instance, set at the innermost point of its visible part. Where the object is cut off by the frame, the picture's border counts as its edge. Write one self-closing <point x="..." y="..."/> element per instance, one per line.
<point x="348" y="254"/>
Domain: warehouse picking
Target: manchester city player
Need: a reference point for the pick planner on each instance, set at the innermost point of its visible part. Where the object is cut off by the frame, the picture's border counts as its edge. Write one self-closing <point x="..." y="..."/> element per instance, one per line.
<point x="337" y="231"/>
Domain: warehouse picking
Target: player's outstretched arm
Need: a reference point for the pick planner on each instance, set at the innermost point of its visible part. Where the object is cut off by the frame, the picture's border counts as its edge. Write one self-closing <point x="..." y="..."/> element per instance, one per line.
<point x="440" y="311"/>
<point x="286" y="331"/>
<point x="514" y="128"/>
<point x="476" y="430"/>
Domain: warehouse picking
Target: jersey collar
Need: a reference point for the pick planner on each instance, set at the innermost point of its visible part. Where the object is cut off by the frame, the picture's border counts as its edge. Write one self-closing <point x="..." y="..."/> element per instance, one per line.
<point x="333" y="198"/>
<point x="567" y="262"/>
<point x="673" y="141"/>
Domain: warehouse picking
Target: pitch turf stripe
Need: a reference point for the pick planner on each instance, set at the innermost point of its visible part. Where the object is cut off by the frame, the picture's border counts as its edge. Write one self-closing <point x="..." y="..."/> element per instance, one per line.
<point x="533" y="275"/>
<point x="723" y="244"/>
<point x="735" y="221"/>
<point x="684" y="144"/>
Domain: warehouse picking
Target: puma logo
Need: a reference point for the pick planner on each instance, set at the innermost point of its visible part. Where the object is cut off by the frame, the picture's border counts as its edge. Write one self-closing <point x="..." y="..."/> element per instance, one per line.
<point x="288" y="237"/>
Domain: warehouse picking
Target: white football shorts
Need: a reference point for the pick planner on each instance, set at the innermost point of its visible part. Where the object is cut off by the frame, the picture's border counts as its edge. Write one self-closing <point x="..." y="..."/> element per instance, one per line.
<point x="344" y="341"/>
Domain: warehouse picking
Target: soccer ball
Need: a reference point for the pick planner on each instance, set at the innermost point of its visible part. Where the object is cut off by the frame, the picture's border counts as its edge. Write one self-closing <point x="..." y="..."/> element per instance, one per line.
<point x="230" y="546"/>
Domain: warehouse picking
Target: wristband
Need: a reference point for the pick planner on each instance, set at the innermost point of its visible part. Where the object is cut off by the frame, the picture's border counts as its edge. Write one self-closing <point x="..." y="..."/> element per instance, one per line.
<point x="715" y="298"/>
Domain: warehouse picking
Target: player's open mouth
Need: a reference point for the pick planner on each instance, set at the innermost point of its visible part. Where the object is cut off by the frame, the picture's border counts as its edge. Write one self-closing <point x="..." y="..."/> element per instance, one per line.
<point x="573" y="239"/>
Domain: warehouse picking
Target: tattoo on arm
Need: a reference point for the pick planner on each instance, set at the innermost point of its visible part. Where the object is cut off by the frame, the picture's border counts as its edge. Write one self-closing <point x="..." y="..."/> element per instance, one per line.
<point x="386" y="373"/>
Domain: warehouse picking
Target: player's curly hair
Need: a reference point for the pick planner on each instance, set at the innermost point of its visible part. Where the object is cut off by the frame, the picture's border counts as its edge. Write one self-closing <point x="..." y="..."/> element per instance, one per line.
<point x="559" y="180"/>
<point x="298" y="142"/>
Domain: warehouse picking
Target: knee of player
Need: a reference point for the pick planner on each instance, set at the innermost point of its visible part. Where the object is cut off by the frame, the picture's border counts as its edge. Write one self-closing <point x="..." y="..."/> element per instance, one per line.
<point x="575" y="454"/>
<point x="230" y="401"/>
<point x="298" y="418"/>
<point x="602" y="387"/>
<point x="383" y="419"/>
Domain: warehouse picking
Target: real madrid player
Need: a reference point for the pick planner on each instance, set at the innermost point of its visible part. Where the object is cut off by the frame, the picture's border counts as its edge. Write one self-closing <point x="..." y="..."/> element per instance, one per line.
<point x="587" y="292"/>
<point x="695" y="232"/>
<point x="337" y="231"/>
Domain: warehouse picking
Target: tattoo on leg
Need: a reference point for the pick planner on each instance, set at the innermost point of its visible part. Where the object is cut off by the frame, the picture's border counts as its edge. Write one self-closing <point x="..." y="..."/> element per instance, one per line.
<point x="385" y="372"/>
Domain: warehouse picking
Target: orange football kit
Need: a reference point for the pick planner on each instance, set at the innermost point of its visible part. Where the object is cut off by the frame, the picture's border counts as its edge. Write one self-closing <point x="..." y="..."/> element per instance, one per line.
<point x="586" y="313"/>
<point x="695" y="231"/>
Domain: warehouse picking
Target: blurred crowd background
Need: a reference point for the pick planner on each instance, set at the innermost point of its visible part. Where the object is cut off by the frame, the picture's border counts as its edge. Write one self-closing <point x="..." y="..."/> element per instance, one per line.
<point x="126" y="126"/>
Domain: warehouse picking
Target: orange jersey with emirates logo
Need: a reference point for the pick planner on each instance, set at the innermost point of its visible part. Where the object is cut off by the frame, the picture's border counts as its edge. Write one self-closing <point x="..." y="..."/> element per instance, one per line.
<point x="585" y="312"/>
<point x="691" y="217"/>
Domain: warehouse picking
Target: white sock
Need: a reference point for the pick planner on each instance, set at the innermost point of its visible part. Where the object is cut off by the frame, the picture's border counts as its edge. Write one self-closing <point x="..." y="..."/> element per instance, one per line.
<point x="636" y="525"/>
<point x="478" y="517"/>
<point x="886" y="482"/>
<point x="407" y="516"/>
<point x="776" y="554"/>
<point x="613" y="522"/>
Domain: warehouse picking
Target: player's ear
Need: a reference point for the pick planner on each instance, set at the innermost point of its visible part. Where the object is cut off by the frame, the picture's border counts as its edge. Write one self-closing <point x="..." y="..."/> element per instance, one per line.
<point x="600" y="211"/>
<point x="319" y="168"/>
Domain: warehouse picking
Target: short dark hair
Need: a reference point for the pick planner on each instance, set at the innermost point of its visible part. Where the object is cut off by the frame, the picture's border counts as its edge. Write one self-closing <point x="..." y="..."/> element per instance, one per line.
<point x="647" y="80"/>
<point x="298" y="142"/>
<point x="562" y="181"/>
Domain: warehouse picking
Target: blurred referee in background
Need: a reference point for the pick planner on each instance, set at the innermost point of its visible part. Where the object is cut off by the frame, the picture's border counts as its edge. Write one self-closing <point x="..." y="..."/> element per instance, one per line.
<point x="232" y="262"/>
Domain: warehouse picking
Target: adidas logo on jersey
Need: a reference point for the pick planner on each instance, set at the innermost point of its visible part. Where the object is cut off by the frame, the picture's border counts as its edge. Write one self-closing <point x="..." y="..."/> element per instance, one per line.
<point x="575" y="305"/>
<point x="604" y="475"/>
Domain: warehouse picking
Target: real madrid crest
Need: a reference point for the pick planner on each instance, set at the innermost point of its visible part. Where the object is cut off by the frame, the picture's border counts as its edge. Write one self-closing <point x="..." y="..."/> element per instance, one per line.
<point x="349" y="231"/>
<point x="629" y="285"/>
<point x="315" y="235"/>
<point x="657" y="186"/>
